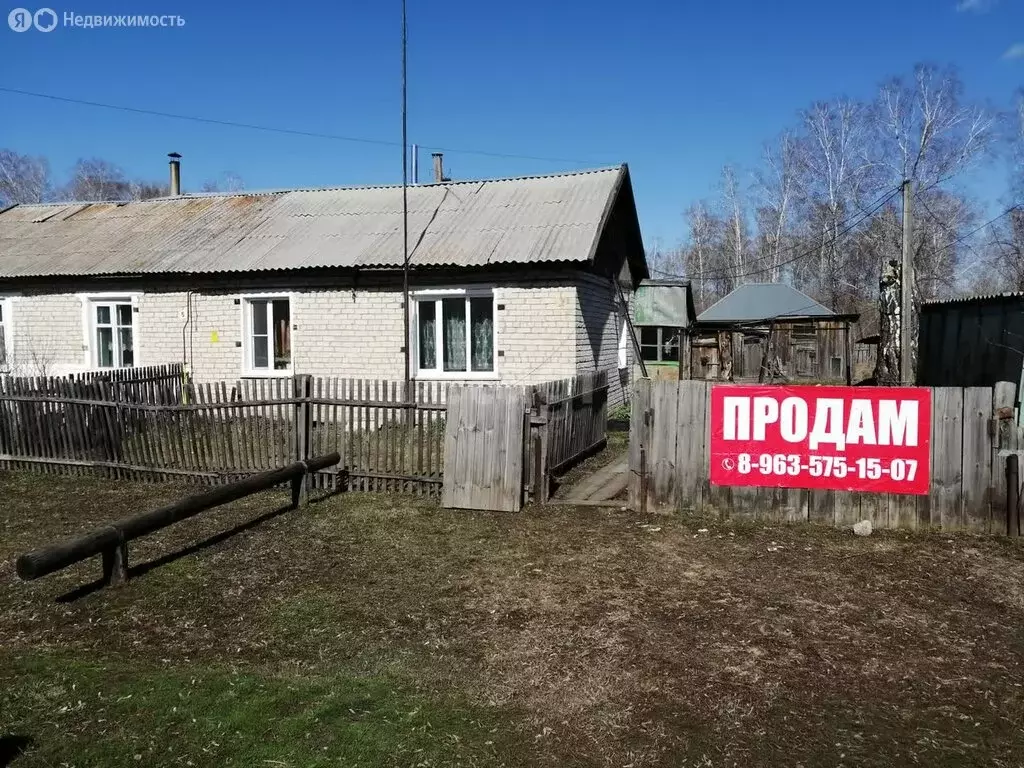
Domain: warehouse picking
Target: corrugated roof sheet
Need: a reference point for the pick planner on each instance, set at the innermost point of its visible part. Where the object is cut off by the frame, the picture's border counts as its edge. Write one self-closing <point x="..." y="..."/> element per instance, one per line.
<point x="763" y="301"/>
<point x="981" y="298"/>
<point x="467" y="223"/>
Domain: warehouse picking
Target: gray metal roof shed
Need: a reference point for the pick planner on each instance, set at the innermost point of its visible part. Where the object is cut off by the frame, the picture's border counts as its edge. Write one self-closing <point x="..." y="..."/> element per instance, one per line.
<point x="755" y="303"/>
<point x="665" y="303"/>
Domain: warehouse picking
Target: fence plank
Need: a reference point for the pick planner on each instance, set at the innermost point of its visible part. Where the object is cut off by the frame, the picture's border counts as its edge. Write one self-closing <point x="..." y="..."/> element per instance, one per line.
<point x="1003" y="404"/>
<point x="691" y="445"/>
<point x="977" y="459"/>
<point x="452" y="491"/>
<point x="665" y="430"/>
<point x="946" y="507"/>
<point x="640" y="431"/>
<point x="484" y="448"/>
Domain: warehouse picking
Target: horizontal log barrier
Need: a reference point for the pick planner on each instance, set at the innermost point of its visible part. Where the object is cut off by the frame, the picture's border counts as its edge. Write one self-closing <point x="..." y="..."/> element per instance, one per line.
<point x="112" y="540"/>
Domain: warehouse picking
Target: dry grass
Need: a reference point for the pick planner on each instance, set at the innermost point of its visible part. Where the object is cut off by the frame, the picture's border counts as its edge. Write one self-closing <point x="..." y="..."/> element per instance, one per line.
<point x="555" y="637"/>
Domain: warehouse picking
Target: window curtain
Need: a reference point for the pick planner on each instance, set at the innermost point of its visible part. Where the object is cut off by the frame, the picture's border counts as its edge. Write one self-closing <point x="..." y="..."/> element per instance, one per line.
<point x="482" y="341"/>
<point x="454" y="334"/>
<point x="428" y="335"/>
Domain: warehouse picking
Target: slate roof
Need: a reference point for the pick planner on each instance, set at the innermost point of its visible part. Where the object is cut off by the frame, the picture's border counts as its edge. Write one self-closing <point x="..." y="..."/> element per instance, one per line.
<point x="527" y="220"/>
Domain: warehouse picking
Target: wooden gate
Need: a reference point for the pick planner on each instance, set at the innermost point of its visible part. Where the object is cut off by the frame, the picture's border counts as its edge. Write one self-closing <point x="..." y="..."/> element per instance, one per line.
<point x="483" y="448"/>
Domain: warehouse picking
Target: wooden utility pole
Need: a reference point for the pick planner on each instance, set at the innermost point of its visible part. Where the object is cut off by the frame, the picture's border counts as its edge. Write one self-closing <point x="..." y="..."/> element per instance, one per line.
<point x="906" y="294"/>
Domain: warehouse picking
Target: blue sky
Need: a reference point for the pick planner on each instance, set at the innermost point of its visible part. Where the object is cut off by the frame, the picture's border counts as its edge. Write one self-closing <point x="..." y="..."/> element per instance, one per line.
<point x="675" y="88"/>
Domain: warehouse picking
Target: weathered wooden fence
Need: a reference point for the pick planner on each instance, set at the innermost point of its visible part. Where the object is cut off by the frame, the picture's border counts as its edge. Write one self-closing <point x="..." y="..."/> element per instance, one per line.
<point x="215" y="433"/>
<point x="483" y="448"/>
<point x="972" y="431"/>
<point x="569" y="421"/>
<point x="154" y="424"/>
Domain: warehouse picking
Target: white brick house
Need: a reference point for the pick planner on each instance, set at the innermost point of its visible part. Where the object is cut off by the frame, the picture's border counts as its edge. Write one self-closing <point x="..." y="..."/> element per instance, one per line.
<point x="511" y="280"/>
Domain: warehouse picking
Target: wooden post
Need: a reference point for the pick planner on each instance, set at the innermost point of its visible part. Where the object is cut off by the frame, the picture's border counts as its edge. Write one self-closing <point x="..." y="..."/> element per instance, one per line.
<point x="643" y="481"/>
<point x="543" y="477"/>
<point x="115" y="564"/>
<point x="685" y="355"/>
<point x="1012" y="496"/>
<point x="302" y="389"/>
<point x="848" y="343"/>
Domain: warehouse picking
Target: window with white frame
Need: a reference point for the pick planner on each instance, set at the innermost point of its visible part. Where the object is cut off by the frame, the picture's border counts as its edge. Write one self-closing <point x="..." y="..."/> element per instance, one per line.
<point x="6" y="341"/>
<point x="267" y="341"/>
<point x="113" y="333"/>
<point x="455" y="333"/>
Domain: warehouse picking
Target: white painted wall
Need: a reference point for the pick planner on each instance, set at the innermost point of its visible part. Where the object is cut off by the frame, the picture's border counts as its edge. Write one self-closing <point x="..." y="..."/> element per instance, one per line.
<point x="336" y="332"/>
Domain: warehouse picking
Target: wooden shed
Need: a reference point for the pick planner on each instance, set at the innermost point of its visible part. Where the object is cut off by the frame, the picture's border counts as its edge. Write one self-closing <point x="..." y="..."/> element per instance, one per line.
<point x="773" y="333"/>
<point x="663" y="316"/>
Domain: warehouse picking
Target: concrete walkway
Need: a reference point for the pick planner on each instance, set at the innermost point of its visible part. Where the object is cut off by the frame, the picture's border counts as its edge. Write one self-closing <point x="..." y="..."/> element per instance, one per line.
<point x="601" y="487"/>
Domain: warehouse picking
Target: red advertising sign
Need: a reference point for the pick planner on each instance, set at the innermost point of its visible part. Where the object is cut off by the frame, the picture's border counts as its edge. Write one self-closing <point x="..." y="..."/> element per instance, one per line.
<point x="845" y="438"/>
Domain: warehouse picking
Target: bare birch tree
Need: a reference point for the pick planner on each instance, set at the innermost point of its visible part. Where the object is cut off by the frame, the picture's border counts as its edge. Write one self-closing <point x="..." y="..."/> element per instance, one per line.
<point x="23" y="179"/>
<point x="702" y="263"/>
<point x="835" y="175"/>
<point x="95" y="180"/>
<point x="228" y="182"/>
<point x="777" y="188"/>
<point x="735" y="236"/>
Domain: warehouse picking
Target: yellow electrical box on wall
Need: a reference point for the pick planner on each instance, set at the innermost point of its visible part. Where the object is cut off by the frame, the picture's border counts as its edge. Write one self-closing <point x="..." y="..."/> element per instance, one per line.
<point x="214" y="337"/>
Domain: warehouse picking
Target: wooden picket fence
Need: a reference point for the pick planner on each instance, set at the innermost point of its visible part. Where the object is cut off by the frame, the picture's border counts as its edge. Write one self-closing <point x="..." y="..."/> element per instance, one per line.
<point x="215" y="433"/>
<point x="972" y="431"/>
<point x="154" y="424"/>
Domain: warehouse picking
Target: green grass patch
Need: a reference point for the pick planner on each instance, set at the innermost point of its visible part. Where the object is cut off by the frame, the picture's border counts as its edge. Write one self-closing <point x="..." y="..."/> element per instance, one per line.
<point x="111" y="713"/>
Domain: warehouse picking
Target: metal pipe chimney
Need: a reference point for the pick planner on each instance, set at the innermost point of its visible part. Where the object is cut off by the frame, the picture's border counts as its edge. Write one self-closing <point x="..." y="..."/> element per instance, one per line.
<point x="415" y="163"/>
<point x="438" y="167"/>
<point x="175" y="174"/>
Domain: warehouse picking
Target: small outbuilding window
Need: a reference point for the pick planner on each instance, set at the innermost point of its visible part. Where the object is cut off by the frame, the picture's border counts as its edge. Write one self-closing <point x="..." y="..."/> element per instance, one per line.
<point x="454" y="333"/>
<point x="267" y="335"/>
<point x="659" y="345"/>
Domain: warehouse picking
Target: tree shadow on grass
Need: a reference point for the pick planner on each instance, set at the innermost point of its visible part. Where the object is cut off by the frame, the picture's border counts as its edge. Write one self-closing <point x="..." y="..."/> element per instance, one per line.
<point x="13" y="745"/>
<point x="141" y="569"/>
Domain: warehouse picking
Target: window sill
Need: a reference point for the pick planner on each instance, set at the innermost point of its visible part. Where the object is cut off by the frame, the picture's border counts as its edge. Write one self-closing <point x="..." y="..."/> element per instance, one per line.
<point x="268" y="374"/>
<point x="456" y="376"/>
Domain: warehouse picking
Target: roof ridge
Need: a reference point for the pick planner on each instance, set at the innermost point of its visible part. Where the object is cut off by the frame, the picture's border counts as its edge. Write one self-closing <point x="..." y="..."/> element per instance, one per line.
<point x="335" y="188"/>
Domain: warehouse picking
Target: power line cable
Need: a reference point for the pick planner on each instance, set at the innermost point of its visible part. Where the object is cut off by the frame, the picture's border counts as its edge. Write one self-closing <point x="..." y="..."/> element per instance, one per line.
<point x="293" y="132"/>
<point x="885" y="197"/>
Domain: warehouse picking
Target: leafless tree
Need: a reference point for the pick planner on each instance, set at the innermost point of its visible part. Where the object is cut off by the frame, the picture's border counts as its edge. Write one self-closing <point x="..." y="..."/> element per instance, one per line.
<point x="777" y="188"/>
<point x="23" y="179"/>
<point x="735" y="236"/>
<point x="926" y="132"/>
<point x="835" y="175"/>
<point x="229" y="182"/>
<point x="148" y="190"/>
<point x="95" y="179"/>
<point x="700" y="255"/>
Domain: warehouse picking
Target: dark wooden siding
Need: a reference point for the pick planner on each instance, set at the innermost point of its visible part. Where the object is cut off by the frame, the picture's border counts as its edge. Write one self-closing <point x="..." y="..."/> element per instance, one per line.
<point x="808" y="352"/>
<point x="971" y="343"/>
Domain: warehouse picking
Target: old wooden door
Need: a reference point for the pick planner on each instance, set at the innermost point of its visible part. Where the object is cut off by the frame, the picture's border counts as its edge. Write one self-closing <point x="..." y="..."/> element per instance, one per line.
<point x="483" y="448"/>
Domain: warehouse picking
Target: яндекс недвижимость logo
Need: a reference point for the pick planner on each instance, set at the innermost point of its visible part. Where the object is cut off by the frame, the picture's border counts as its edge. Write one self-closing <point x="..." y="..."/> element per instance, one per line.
<point x="47" y="20"/>
<point x="22" y="19"/>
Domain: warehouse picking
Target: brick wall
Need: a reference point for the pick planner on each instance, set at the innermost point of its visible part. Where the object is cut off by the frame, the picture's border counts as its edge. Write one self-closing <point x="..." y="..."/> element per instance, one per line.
<point x="47" y="335"/>
<point x="341" y="331"/>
